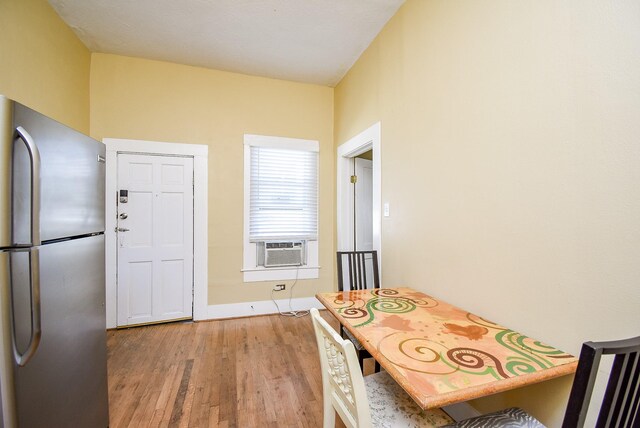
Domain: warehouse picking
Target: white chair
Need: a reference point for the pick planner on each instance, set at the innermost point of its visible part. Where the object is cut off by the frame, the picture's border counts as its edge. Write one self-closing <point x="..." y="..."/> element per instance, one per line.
<point x="363" y="402"/>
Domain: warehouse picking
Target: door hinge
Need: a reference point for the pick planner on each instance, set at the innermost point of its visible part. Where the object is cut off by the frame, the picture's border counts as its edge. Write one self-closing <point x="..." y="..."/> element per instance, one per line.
<point x="354" y="179"/>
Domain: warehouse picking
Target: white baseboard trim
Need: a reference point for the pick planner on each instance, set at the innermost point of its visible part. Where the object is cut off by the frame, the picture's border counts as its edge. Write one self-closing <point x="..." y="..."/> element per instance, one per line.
<point x="263" y="307"/>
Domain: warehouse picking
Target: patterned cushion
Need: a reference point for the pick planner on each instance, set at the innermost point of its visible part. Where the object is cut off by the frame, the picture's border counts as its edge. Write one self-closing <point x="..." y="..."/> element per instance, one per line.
<point x="391" y="407"/>
<point x="508" y="418"/>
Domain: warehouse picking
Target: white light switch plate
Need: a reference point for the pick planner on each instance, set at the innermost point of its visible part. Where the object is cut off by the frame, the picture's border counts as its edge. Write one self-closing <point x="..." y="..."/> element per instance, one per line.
<point x="386" y="209"/>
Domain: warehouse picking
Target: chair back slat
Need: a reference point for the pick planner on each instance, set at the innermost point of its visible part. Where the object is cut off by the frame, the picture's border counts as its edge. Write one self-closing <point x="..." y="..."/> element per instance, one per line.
<point x="614" y="397"/>
<point x="582" y="388"/>
<point x="340" y="273"/>
<point x="624" y="412"/>
<point x="620" y="405"/>
<point x="357" y="276"/>
<point x="634" y="402"/>
<point x="361" y="270"/>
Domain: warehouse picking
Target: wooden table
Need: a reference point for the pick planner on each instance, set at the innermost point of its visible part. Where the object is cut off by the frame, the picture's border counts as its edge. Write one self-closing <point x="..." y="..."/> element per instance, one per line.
<point x="441" y="354"/>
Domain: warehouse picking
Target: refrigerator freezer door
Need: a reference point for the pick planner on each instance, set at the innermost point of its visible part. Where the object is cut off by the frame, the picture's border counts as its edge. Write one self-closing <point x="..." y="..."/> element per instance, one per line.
<point x="6" y="143"/>
<point x="71" y="179"/>
<point x="65" y="383"/>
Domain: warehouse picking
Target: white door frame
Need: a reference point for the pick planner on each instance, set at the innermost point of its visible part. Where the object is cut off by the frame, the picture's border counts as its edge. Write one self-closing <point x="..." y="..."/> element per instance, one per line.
<point x="369" y="139"/>
<point x="200" y="155"/>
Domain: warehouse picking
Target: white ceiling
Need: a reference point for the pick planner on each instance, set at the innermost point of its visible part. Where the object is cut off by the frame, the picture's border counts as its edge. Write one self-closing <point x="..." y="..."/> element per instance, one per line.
<point x="313" y="41"/>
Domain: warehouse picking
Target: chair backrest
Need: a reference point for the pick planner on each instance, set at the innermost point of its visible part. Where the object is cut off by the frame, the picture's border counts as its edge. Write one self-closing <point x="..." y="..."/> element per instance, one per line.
<point x="342" y="381"/>
<point x="358" y="269"/>
<point x="621" y="403"/>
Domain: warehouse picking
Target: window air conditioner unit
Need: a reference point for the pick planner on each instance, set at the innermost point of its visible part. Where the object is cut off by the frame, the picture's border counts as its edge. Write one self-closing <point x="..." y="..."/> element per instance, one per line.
<point x="280" y="253"/>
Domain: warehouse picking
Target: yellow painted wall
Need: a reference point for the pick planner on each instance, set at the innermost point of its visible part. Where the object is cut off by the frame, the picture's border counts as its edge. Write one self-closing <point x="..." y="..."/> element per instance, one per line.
<point x="42" y="63"/>
<point x="150" y="100"/>
<point x="511" y="162"/>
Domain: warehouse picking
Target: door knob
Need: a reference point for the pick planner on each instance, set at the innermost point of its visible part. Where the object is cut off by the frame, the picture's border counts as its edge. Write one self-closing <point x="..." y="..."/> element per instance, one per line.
<point x="121" y="229"/>
<point x="124" y="216"/>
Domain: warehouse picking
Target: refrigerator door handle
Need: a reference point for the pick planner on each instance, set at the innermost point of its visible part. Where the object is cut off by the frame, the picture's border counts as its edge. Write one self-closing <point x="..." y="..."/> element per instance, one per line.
<point x="34" y="156"/>
<point x="36" y="322"/>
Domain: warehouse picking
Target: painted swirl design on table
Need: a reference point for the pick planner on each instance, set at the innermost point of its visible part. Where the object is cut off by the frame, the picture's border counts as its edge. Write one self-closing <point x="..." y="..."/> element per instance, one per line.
<point x="353" y="313"/>
<point x="417" y="354"/>
<point x="384" y="300"/>
<point x="530" y="355"/>
<point x="384" y="292"/>
<point x="477" y="362"/>
<point x="419" y="299"/>
<point x="439" y="348"/>
<point x="422" y="355"/>
<point x="483" y="322"/>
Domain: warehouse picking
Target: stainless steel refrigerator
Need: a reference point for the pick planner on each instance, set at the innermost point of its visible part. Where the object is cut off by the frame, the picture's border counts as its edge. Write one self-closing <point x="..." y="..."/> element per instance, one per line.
<point x="53" y="367"/>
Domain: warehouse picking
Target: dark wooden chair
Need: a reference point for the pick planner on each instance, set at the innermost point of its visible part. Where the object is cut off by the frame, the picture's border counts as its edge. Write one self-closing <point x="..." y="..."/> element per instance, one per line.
<point x="358" y="270"/>
<point x="621" y="403"/>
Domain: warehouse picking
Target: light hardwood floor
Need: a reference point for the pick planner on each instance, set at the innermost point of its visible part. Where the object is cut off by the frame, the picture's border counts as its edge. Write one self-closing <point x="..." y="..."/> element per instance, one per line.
<point x="249" y="372"/>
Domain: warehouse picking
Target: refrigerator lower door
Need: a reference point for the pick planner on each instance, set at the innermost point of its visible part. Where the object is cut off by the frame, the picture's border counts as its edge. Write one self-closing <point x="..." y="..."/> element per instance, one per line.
<point x="7" y="396"/>
<point x="65" y="383"/>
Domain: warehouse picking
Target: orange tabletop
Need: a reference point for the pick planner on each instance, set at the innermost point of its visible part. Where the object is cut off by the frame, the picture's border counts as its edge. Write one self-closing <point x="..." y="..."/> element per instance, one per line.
<point x="441" y="354"/>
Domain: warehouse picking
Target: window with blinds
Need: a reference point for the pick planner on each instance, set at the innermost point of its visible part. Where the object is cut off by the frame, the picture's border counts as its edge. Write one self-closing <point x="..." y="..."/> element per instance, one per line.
<point x="283" y="194"/>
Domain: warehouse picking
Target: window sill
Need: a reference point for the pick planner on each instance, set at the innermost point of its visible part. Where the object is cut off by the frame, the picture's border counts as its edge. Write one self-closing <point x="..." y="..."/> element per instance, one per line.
<point x="279" y="274"/>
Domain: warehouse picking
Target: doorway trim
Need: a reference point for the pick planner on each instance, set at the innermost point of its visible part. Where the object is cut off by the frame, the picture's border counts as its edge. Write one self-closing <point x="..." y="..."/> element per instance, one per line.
<point x="369" y="139"/>
<point x="200" y="154"/>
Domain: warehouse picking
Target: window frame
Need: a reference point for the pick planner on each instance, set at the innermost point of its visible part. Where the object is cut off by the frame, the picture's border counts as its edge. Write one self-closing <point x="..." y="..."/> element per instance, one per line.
<point x="251" y="272"/>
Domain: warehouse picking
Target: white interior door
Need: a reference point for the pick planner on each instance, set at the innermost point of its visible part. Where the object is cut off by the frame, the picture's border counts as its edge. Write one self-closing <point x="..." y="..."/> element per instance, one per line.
<point x="363" y="196"/>
<point x="155" y="239"/>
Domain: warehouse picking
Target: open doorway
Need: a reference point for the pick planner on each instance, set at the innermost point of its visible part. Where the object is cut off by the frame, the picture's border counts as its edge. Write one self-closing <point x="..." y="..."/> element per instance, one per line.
<point x="361" y="201"/>
<point x="359" y="198"/>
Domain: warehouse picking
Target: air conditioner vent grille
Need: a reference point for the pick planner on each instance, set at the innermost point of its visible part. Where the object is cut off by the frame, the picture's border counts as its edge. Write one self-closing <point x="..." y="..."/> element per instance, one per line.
<point x="284" y="253"/>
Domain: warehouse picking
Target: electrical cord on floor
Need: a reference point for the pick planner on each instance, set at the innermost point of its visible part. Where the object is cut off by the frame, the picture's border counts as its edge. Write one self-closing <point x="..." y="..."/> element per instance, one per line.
<point x="291" y="312"/>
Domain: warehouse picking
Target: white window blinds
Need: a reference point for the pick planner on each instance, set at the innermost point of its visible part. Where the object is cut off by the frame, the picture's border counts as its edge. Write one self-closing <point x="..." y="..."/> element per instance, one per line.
<point x="283" y="194"/>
